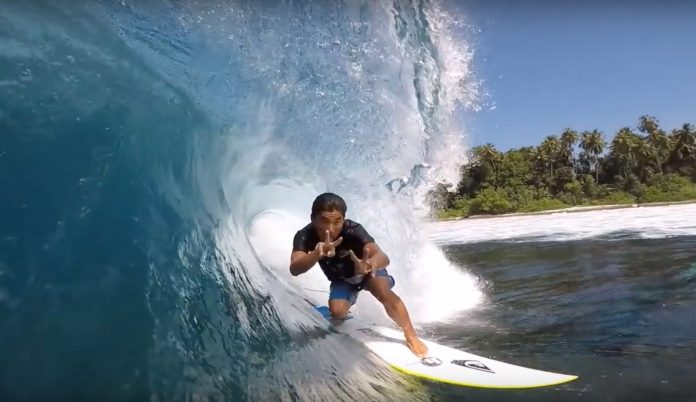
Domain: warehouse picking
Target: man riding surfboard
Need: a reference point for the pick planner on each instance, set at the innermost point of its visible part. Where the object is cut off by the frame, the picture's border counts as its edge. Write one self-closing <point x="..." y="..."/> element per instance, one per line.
<point x="351" y="259"/>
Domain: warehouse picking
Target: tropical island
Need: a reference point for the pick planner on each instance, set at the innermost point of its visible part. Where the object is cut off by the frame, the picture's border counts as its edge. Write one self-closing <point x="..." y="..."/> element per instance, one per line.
<point x="644" y="165"/>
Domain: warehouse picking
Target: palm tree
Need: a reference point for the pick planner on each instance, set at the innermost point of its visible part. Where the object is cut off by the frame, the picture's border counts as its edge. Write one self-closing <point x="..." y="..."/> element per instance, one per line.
<point x="568" y="139"/>
<point x="623" y="147"/>
<point x="549" y="151"/>
<point x="644" y="154"/>
<point x="487" y="154"/>
<point x="656" y="137"/>
<point x="684" y="142"/>
<point x="592" y="142"/>
<point x="648" y="124"/>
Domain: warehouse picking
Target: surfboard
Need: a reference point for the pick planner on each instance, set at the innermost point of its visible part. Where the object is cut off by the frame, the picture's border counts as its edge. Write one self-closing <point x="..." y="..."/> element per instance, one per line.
<point x="443" y="363"/>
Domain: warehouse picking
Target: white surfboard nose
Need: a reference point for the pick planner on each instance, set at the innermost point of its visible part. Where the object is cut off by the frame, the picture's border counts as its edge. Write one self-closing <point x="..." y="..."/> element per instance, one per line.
<point x="445" y="364"/>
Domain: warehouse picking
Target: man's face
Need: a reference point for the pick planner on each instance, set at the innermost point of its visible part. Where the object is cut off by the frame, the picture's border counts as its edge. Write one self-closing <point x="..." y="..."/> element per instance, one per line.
<point x="328" y="220"/>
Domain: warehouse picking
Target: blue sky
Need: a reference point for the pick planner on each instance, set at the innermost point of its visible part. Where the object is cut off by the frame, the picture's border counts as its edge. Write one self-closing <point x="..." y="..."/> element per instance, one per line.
<point x="547" y="65"/>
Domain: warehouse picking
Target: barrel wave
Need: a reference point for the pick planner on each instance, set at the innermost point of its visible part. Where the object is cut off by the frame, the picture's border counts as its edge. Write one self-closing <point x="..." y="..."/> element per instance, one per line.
<point x="156" y="159"/>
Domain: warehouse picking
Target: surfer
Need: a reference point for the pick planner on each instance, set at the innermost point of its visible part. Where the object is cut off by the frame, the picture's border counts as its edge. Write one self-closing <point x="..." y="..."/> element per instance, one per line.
<point x="351" y="259"/>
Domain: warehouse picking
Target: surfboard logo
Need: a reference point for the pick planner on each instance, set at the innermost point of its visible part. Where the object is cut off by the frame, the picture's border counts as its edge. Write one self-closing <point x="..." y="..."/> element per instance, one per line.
<point x="431" y="361"/>
<point x="473" y="364"/>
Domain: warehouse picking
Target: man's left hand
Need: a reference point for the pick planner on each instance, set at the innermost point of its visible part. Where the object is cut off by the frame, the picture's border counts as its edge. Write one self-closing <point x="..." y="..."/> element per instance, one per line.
<point x="363" y="267"/>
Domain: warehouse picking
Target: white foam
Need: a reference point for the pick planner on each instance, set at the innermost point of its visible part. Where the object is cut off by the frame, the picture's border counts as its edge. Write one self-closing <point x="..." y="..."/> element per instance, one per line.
<point x="644" y="222"/>
<point x="433" y="288"/>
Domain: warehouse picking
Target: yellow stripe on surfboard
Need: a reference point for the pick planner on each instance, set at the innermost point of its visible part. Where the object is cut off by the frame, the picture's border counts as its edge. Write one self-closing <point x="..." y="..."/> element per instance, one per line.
<point x="566" y="379"/>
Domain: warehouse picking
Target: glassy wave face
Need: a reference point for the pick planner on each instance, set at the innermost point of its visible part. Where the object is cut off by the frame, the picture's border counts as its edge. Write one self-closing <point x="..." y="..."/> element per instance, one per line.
<point x="156" y="159"/>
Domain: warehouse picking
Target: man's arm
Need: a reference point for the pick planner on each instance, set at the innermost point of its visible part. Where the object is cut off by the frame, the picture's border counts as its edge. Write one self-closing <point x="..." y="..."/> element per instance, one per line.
<point x="378" y="258"/>
<point x="301" y="262"/>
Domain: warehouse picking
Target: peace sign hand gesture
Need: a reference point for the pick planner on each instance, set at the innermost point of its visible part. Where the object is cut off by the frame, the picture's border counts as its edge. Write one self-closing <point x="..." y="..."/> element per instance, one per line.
<point x="361" y="266"/>
<point x="327" y="248"/>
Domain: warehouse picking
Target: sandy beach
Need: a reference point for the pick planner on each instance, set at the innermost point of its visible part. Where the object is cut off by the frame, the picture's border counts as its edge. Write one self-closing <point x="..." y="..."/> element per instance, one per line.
<point x="584" y="208"/>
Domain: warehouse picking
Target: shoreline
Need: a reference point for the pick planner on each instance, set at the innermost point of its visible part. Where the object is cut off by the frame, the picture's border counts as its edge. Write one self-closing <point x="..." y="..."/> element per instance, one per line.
<point x="575" y="209"/>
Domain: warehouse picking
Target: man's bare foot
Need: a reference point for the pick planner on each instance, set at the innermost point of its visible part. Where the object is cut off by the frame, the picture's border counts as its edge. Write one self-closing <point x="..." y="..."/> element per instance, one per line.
<point x="416" y="345"/>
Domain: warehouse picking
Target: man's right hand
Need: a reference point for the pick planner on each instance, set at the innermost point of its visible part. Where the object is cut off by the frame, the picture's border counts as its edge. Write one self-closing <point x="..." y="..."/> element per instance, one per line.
<point x="327" y="248"/>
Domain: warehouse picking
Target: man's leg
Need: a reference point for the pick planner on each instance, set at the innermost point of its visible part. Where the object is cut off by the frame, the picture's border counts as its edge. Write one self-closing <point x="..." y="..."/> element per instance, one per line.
<point x="380" y="286"/>
<point x="342" y="296"/>
<point x="338" y="308"/>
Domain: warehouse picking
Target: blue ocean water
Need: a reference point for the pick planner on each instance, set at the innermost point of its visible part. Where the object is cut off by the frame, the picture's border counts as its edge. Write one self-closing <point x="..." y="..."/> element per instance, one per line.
<point x="141" y="142"/>
<point x="617" y="310"/>
<point x="156" y="158"/>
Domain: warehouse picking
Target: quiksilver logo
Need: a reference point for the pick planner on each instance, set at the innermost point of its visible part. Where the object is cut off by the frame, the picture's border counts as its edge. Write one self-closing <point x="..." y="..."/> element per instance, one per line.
<point x="431" y="361"/>
<point x="473" y="364"/>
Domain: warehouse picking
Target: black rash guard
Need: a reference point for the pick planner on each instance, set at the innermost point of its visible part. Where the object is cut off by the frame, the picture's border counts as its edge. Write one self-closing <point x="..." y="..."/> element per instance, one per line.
<point x="340" y="266"/>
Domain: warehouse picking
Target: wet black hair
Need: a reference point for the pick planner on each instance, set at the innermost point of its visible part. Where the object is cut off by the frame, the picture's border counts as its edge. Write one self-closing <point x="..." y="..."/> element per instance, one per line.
<point x="328" y="202"/>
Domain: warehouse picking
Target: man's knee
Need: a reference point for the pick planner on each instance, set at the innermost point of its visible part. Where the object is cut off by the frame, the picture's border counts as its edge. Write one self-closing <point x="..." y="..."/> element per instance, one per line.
<point x="339" y="308"/>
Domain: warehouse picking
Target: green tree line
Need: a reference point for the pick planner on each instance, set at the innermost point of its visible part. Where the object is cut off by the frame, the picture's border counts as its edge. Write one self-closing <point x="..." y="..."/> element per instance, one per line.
<point x="640" y="165"/>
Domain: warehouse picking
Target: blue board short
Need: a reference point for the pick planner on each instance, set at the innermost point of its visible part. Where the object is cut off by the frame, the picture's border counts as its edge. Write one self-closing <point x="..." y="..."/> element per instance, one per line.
<point x="346" y="291"/>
